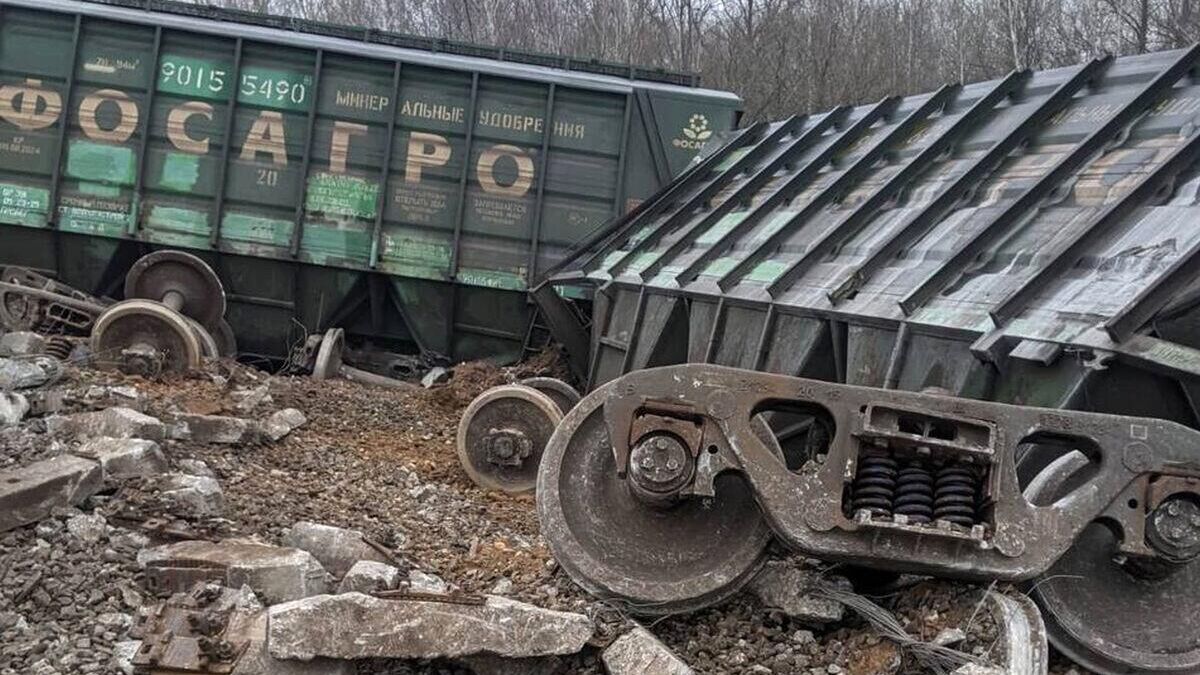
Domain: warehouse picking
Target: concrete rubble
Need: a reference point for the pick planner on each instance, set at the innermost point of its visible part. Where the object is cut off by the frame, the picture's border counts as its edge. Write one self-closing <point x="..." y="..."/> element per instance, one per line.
<point x="90" y="529"/>
<point x="638" y="651"/>
<point x="276" y="574"/>
<point x="70" y="505"/>
<point x="31" y="493"/>
<point x="13" y="408"/>
<point x="282" y="423"/>
<point x="336" y="548"/>
<point x="194" y="467"/>
<point x="117" y="422"/>
<point x="190" y="496"/>
<point x="21" y="343"/>
<point x="368" y="576"/>
<point x="216" y="629"/>
<point x="422" y="582"/>
<point x="27" y="372"/>
<point x="122" y="458"/>
<point x="784" y="586"/>
<point x="357" y="626"/>
<point x="213" y="429"/>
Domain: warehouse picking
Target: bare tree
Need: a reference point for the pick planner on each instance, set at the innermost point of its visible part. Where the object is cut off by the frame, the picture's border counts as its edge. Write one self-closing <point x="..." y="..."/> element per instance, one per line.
<point x="791" y="56"/>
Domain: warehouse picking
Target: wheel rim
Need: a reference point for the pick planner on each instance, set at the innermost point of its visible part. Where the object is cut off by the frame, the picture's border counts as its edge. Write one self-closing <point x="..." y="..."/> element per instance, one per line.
<point x="1105" y="617"/>
<point x="227" y="346"/>
<point x="653" y="561"/>
<point x="502" y="435"/>
<point x="161" y="272"/>
<point x="329" y="354"/>
<point x="148" y="324"/>
<point x="563" y="394"/>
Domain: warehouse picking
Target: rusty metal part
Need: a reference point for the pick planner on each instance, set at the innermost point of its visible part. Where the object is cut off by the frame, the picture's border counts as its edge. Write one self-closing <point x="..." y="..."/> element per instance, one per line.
<point x="502" y="434"/>
<point x="563" y="394"/>
<point x="587" y="509"/>
<point x="201" y="631"/>
<point x="227" y="346"/>
<point x="648" y="556"/>
<point x="327" y="362"/>
<point x="146" y="337"/>
<point x="1107" y="611"/>
<point x="59" y="346"/>
<point x="453" y="597"/>
<point x="180" y="281"/>
<point x="34" y="302"/>
<point x="207" y="342"/>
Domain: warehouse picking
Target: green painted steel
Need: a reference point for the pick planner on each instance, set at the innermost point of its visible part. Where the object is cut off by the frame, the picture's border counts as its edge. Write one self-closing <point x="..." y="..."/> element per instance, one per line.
<point x="299" y="164"/>
<point x="1031" y="239"/>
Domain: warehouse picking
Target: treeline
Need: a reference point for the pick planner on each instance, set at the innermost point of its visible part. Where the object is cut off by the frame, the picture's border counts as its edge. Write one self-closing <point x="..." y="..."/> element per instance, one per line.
<point x="789" y="56"/>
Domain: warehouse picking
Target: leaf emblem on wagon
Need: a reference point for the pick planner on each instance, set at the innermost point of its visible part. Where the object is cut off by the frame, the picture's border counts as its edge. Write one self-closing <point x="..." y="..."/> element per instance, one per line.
<point x="697" y="128"/>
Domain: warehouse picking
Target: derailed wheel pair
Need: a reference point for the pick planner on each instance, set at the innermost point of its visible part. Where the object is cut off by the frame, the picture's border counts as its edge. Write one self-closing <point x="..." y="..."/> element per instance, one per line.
<point x="504" y="431"/>
<point x="660" y="558"/>
<point x="173" y="319"/>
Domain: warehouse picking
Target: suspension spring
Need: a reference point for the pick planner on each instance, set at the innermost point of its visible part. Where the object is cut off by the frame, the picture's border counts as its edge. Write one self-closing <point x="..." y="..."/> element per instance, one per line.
<point x="956" y="495"/>
<point x="874" y="487"/>
<point x="58" y="346"/>
<point x="914" y="493"/>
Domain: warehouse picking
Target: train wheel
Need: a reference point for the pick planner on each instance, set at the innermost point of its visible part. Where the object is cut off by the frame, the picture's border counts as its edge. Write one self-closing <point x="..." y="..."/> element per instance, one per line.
<point x="1115" y="617"/>
<point x="651" y="557"/>
<point x="146" y="337"/>
<point x="563" y="394"/>
<point x="502" y="435"/>
<point x="181" y="281"/>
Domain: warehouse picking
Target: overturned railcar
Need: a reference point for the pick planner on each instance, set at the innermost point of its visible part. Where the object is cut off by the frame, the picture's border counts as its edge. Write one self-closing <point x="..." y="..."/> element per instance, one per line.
<point x="1032" y="240"/>
<point x="407" y="189"/>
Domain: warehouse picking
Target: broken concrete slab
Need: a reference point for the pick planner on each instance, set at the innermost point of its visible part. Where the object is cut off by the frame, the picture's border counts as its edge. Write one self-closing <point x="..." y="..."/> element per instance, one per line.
<point x="112" y="423"/>
<point x="275" y="574"/>
<point x="123" y="458"/>
<point x="216" y="429"/>
<point x="257" y="660"/>
<point x="354" y="626"/>
<point x="638" y="651"/>
<point x="22" y="343"/>
<point x="213" y="628"/>
<point x="30" y="493"/>
<point x="13" y="408"/>
<point x="188" y="495"/>
<point x="784" y="586"/>
<point x="123" y="396"/>
<point x="26" y="372"/>
<point x="195" y="467"/>
<point x="122" y="656"/>
<point x="421" y="582"/>
<point x="251" y="398"/>
<point x="337" y="548"/>
<point x="45" y="401"/>
<point x="283" y="423"/>
<point x="368" y="576"/>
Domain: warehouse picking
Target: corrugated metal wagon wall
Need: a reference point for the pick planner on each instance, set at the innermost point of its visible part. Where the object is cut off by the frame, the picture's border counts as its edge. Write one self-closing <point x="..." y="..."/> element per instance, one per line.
<point x="407" y="195"/>
<point x="1033" y="239"/>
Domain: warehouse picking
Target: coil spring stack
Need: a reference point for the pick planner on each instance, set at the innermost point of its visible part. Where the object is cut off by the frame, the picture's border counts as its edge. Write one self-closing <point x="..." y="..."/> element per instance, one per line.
<point x="915" y="490"/>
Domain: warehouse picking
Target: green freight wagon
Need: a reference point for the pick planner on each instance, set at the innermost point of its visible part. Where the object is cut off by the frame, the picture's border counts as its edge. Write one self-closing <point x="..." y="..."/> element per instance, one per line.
<point x="406" y="189"/>
<point x="985" y="266"/>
